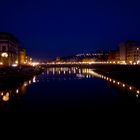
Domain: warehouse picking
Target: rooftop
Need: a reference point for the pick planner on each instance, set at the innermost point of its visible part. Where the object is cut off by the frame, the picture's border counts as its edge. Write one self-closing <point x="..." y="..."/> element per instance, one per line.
<point x="9" y="36"/>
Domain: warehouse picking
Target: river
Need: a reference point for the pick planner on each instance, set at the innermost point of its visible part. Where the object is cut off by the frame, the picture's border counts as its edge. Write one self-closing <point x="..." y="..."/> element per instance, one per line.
<point x="75" y="90"/>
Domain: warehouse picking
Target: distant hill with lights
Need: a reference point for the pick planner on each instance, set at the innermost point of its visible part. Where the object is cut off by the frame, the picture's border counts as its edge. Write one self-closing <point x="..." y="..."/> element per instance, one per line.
<point x="96" y="56"/>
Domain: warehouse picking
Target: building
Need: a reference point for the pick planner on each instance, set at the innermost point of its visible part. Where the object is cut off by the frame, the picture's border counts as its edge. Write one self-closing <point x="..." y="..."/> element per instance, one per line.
<point x="123" y="52"/>
<point x="114" y="56"/>
<point x="22" y="56"/>
<point x="8" y="49"/>
<point x="129" y="52"/>
<point x="28" y="60"/>
<point x="133" y="55"/>
<point x="117" y="56"/>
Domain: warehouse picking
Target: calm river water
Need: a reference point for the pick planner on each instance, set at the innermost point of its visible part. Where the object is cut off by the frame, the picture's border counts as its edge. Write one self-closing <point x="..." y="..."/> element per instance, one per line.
<point x="69" y="90"/>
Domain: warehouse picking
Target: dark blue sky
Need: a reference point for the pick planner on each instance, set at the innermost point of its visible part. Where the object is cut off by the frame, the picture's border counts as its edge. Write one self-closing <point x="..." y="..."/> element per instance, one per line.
<point x="50" y="28"/>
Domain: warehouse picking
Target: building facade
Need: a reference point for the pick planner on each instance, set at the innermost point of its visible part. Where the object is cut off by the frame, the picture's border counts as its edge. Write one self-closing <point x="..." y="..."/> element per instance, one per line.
<point x="8" y="49"/>
<point x="123" y="52"/>
<point x="133" y="55"/>
<point x="28" y="60"/>
<point x="22" y="56"/>
<point x="130" y="52"/>
<point x="112" y="56"/>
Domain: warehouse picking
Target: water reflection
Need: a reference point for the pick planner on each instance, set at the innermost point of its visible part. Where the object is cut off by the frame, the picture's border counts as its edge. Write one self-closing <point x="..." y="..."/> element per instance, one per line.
<point x="120" y="84"/>
<point x="7" y="93"/>
<point x="75" y="71"/>
<point x="34" y="79"/>
<point x="64" y="73"/>
<point x="5" y="97"/>
<point x="90" y="73"/>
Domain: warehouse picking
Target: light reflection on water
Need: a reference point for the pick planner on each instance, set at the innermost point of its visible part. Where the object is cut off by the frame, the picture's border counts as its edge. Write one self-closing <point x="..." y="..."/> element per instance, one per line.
<point x="90" y="73"/>
<point x="115" y="82"/>
<point x="7" y="94"/>
<point x="64" y="74"/>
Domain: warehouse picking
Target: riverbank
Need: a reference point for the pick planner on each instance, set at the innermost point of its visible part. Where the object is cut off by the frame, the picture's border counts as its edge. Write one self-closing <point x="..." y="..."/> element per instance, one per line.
<point x="129" y="74"/>
<point x="126" y="73"/>
<point x="9" y="75"/>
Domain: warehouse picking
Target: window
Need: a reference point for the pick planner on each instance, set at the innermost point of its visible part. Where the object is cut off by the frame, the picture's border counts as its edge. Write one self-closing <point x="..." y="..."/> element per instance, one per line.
<point x="3" y="48"/>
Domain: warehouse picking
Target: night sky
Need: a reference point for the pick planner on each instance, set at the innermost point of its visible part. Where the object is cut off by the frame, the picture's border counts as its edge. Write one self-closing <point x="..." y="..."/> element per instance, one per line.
<point x="50" y="28"/>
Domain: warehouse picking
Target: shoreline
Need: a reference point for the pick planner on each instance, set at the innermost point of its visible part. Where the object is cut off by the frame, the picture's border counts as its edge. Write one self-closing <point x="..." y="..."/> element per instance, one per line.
<point x="11" y="75"/>
<point x="129" y="74"/>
